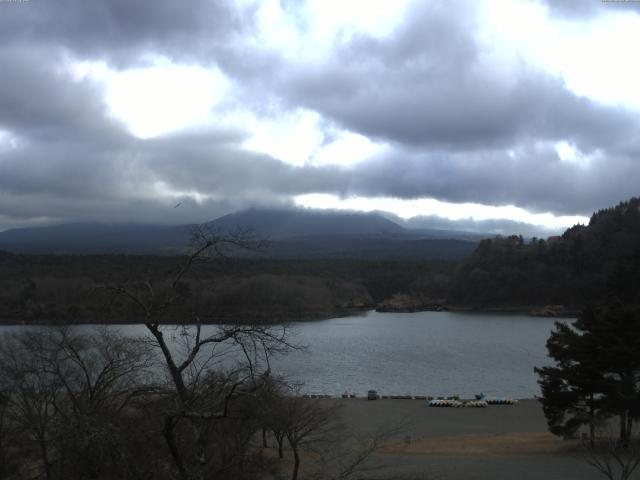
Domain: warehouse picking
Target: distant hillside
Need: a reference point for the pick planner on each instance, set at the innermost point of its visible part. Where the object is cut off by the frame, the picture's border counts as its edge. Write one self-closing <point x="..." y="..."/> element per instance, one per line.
<point x="277" y="224"/>
<point x="586" y="264"/>
<point x="297" y="233"/>
<point x="86" y="238"/>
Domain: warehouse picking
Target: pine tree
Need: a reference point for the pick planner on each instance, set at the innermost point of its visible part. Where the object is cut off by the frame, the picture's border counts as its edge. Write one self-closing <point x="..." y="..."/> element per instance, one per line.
<point x="597" y="371"/>
<point x="571" y="390"/>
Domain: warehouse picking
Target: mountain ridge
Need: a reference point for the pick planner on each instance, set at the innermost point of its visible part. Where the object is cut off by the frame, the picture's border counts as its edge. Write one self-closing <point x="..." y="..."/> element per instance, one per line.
<point x="292" y="233"/>
<point x="283" y="223"/>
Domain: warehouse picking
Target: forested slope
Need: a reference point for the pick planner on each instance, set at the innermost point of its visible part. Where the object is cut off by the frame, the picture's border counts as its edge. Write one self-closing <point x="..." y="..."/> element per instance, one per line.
<point x="585" y="265"/>
<point x="61" y="289"/>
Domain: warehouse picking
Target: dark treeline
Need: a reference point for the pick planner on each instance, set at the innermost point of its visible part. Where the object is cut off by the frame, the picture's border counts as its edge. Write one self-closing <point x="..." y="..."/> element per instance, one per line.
<point x="62" y="289"/>
<point x="574" y="269"/>
<point x="582" y="266"/>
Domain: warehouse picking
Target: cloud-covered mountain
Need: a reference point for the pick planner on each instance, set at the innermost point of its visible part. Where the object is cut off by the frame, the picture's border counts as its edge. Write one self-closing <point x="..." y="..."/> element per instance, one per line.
<point x="289" y="233"/>
<point x="283" y="223"/>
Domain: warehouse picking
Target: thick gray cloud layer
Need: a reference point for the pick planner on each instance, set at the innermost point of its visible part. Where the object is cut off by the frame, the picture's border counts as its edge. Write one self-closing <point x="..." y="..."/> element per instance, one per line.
<point x="461" y="127"/>
<point x="585" y="9"/>
<point x="497" y="227"/>
<point x="122" y="30"/>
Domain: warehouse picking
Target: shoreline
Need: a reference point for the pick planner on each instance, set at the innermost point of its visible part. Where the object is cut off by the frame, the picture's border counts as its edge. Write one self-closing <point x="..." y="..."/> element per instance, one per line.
<point x="545" y="311"/>
<point x="280" y="318"/>
<point x="222" y="319"/>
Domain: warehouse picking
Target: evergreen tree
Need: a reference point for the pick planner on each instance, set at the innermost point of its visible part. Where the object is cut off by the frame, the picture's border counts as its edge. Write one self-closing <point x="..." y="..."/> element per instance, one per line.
<point x="597" y="371"/>
<point x="571" y="391"/>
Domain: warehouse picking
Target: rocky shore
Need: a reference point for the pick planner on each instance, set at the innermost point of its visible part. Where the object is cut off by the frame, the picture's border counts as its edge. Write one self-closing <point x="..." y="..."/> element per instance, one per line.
<point x="560" y="311"/>
<point x="408" y="304"/>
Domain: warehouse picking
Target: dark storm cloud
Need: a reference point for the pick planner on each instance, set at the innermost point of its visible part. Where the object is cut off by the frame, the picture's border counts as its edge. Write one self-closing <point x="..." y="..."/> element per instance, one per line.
<point x="534" y="178"/>
<point x="466" y="113"/>
<point x="75" y="161"/>
<point x="431" y="85"/>
<point x="492" y="226"/>
<point x="588" y="8"/>
<point x="230" y="171"/>
<point x="453" y="115"/>
<point x="38" y="96"/>
<point x="23" y="212"/>
<point x="449" y="111"/>
<point x="124" y="179"/>
<point x="120" y="31"/>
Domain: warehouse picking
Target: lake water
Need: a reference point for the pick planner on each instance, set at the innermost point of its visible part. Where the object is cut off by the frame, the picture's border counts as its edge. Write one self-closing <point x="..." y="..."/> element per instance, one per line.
<point x="425" y="353"/>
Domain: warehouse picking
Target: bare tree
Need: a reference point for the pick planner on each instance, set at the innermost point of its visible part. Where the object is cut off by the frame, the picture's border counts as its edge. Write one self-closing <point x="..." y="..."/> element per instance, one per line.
<point x="308" y="423"/>
<point x="97" y="370"/>
<point x="200" y="398"/>
<point x="614" y="460"/>
<point x="32" y="395"/>
<point x="66" y="391"/>
<point x="100" y="372"/>
<point x="314" y="426"/>
<point x="272" y="410"/>
<point x="7" y="466"/>
<point x="347" y="455"/>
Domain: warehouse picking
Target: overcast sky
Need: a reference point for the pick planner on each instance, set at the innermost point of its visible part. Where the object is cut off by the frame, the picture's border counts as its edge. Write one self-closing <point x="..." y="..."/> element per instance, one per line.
<point x="494" y="115"/>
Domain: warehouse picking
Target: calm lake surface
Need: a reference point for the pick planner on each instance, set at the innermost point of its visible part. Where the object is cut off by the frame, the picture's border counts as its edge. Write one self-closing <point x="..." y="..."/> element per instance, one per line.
<point x="425" y="353"/>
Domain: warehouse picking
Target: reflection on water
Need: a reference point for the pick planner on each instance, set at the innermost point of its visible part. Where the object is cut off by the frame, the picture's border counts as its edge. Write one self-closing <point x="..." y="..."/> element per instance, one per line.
<point x="425" y="353"/>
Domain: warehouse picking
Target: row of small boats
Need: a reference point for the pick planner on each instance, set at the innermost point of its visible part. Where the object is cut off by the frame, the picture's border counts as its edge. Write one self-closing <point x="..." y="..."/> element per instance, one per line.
<point x="478" y="403"/>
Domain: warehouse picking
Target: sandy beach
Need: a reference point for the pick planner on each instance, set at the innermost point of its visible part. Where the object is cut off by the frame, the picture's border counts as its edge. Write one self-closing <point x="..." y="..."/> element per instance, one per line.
<point x="498" y="442"/>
